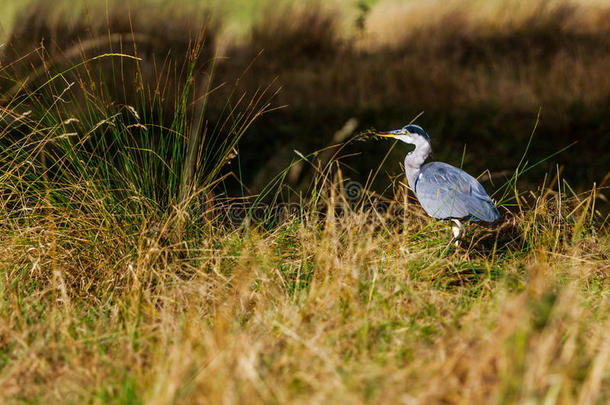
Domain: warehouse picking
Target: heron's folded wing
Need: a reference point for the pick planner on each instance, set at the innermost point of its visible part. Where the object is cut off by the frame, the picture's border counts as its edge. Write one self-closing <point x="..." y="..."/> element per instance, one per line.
<point x="445" y="192"/>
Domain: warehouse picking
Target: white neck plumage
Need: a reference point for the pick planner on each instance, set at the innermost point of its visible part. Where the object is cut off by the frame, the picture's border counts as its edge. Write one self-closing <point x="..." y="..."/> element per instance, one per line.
<point x="416" y="158"/>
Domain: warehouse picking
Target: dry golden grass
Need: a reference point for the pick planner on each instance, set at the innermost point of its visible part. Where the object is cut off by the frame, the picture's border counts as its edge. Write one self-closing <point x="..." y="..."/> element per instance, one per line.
<point x="353" y="307"/>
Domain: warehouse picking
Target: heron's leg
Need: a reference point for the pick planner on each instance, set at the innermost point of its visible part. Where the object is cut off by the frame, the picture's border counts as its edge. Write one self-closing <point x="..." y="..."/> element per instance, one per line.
<point x="458" y="231"/>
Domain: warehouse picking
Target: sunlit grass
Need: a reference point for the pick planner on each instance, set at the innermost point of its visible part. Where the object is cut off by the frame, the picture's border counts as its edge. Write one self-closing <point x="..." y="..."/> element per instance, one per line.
<point x="355" y="306"/>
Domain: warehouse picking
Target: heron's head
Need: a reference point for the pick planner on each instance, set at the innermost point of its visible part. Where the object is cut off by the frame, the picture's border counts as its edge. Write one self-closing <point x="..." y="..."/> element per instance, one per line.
<point x="412" y="134"/>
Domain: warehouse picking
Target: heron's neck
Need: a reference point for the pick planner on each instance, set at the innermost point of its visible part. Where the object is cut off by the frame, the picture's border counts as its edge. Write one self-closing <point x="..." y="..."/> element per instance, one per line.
<point x="415" y="159"/>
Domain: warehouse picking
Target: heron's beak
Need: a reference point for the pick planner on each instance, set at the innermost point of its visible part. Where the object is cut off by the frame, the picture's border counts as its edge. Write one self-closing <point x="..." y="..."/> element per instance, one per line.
<point x="390" y="134"/>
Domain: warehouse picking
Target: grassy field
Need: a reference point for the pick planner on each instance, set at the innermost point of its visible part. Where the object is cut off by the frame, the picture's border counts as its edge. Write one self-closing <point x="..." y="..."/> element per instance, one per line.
<point x="162" y="242"/>
<point x="328" y="306"/>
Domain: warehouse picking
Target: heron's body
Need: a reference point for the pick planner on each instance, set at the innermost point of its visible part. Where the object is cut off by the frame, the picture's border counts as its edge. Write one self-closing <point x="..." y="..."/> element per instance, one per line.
<point x="444" y="191"/>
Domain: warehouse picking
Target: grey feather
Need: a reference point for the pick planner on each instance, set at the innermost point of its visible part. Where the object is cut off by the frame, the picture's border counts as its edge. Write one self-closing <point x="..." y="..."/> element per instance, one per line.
<point x="445" y="192"/>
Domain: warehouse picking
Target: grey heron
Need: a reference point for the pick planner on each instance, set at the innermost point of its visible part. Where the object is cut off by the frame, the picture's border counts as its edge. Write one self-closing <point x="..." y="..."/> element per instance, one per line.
<point x="444" y="191"/>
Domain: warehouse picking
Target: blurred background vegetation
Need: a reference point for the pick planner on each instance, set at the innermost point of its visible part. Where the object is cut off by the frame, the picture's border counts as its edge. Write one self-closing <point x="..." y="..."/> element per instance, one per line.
<point x="479" y="70"/>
